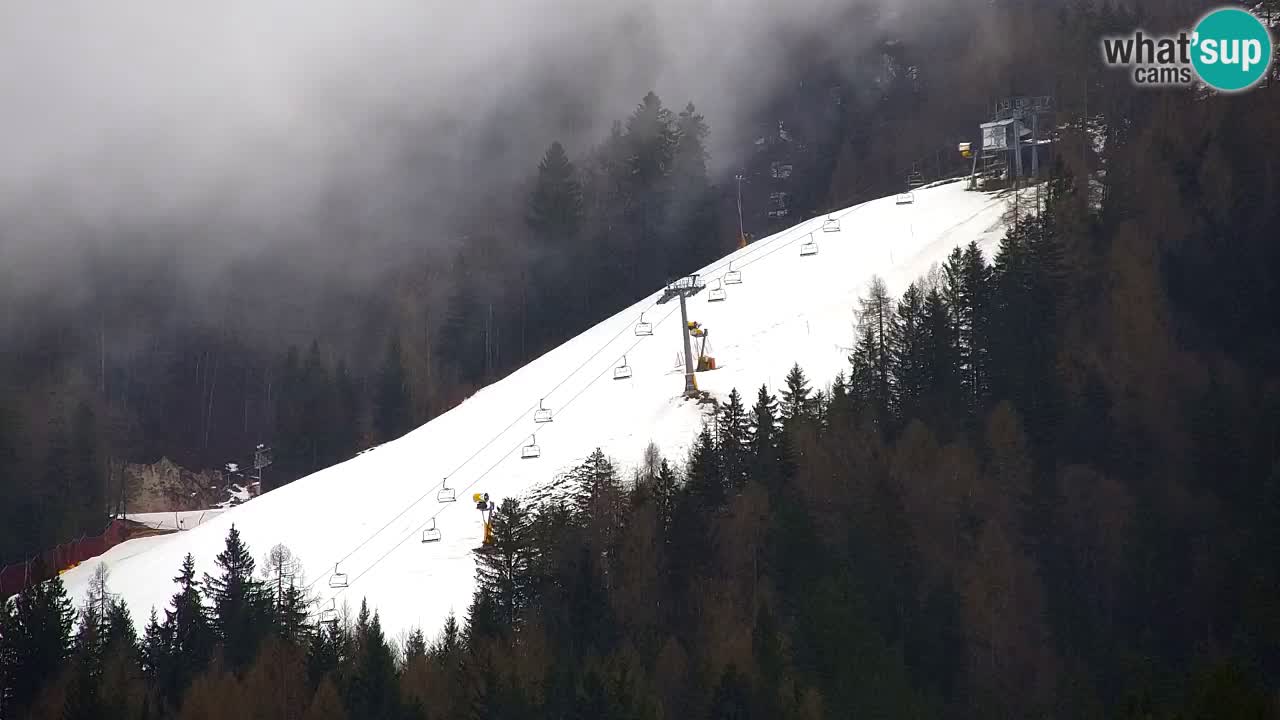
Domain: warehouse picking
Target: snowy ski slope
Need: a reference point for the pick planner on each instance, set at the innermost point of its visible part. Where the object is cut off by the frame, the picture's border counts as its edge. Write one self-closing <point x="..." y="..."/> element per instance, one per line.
<point x="367" y="514"/>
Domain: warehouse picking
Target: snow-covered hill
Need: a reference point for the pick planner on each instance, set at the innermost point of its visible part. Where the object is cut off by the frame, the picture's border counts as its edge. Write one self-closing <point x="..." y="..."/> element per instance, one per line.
<point x="366" y="516"/>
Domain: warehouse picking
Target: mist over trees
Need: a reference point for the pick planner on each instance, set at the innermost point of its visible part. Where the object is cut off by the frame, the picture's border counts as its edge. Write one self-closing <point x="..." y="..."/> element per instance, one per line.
<point x="1047" y="481"/>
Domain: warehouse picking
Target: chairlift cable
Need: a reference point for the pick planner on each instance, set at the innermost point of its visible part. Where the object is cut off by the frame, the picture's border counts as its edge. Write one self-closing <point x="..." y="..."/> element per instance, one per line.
<point x="417" y="530"/>
<point x="756" y="247"/>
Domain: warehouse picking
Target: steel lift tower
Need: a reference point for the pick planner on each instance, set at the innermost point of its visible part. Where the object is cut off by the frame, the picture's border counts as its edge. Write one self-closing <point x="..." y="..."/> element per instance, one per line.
<point x="683" y="288"/>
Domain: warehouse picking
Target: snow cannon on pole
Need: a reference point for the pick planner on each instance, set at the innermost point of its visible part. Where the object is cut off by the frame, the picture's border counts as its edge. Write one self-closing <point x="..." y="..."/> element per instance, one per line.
<point x="485" y="506"/>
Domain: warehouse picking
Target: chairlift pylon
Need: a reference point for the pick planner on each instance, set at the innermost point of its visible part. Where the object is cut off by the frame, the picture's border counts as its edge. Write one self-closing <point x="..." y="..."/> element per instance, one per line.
<point x="623" y="371"/>
<point x="431" y="533"/>
<point x="531" y="451"/>
<point x="716" y="294"/>
<point x="644" y="329"/>
<point x="733" y="277"/>
<point x="542" y="414"/>
<point x="831" y="224"/>
<point x="337" y="579"/>
<point x="446" y="494"/>
<point x="809" y="248"/>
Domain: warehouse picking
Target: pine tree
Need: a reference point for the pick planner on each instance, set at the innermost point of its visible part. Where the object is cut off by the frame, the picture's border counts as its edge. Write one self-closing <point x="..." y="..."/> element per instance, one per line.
<point x="155" y="649"/>
<point x="651" y="140"/>
<point x="371" y="686"/>
<point x="770" y="446"/>
<point x="797" y="406"/>
<point x="705" y="482"/>
<point x="187" y="635"/>
<point x="733" y="435"/>
<point x="692" y="234"/>
<point x="504" y="567"/>
<point x="240" y="607"/>
<point x="555" y="217"/>
<point x="599" y="507"/>
<point x="555" y="204"/>
<point x="907" y="346"/>
<point x="391" y="415"/>
<point x="967" y="291"/>
<point x="328" y="647"/>
<point x="448" y="645"/>
<point x="941" y="364"/>
<point x="35" y="642"/>
<point x="664" y="496"/>
<point x="415" y="647"/>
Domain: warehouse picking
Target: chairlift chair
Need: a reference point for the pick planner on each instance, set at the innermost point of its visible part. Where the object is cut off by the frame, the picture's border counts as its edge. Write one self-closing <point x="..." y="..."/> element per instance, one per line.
<point x="831" y="224"/>
<point x="431" y="533"/>
<point x="446" y="493"/>
<point x="330" y="614"/>
<point x="531" y="451"/>
<point x="337" y="579"/>
<point x="716" y="294"/>
<point x="733" y="277"/>
<point x="623" y="371"/>
<point x="542" y="415"/>
<point x="644" y="329"/>
<point x="809" y="248"/>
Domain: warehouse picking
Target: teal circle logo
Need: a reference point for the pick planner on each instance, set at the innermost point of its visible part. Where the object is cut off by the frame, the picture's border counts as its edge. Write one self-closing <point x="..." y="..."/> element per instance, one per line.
<point x="1231" y="49"/>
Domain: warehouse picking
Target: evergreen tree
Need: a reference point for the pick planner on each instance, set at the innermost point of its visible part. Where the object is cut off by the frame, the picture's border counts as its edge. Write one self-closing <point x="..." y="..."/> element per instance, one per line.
<point x="155" y="649"/>
<point x="187" y="637"/>
<point x="705" y="482"/>
<point x="555" y="204"/>
<point x="797" y="406"/>
<point x="733" y="435"/>
<point x="35" y="642"/>
<point x="449" y="644"/>
<point x="693" y="240"/>
<point x="240" y="612"/>
<point x="415" y="647"/>
<point x="966" y="289"/>
<point x="371" y="685"/>
<point x="327" y="649"/>
<point x="941" y="364"/>
<point x="391" y="415"/>
<point x="599" y="507"/>
<point x="664" y="496"/>
<point x="907" y="347"/>
<point x="504" y="567"/>
<point x="555" y="217"/>
<point x="651" y="140"/>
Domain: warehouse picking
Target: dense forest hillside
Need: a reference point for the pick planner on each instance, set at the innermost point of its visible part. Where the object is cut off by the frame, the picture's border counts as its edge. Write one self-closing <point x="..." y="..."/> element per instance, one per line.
<point x="1048" y="483"/>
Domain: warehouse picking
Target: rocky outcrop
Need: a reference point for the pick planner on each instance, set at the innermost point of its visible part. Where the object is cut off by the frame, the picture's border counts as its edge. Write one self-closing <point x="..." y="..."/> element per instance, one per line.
<point x="165" y="486"/>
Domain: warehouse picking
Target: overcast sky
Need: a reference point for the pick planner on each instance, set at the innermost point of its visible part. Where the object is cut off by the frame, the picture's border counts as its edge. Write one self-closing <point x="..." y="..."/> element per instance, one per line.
<point x="229" y="127"/>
